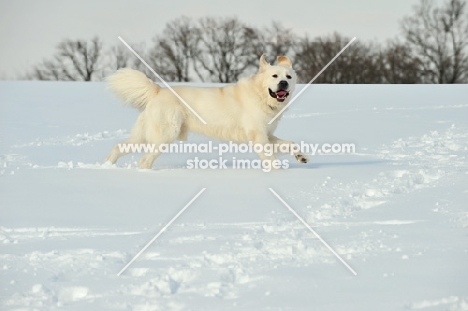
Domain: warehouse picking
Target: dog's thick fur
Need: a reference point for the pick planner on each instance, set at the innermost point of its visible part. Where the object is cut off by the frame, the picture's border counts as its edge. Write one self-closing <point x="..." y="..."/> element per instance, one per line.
<point x="238" y="112"/>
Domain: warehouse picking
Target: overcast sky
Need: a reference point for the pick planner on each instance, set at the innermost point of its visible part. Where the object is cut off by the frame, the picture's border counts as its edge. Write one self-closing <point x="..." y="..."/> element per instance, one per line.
<point x="30" y="29"/>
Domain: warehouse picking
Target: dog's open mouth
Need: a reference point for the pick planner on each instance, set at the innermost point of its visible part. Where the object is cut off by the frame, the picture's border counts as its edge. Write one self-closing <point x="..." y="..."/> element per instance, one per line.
<point x="279" y="95"/>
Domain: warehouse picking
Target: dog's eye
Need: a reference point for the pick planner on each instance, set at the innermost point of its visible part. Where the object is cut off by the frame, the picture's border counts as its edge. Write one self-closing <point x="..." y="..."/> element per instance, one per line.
<point x="275" y="76"/>
<point x="288" y="76"/>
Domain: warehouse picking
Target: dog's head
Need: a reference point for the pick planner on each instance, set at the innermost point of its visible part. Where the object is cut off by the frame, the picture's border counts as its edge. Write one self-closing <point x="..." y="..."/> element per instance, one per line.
<point x="278" y="81"/>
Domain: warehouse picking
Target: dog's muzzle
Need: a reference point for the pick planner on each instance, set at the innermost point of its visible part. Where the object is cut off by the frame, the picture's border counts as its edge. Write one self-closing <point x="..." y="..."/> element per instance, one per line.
<point x="279" y="95"/>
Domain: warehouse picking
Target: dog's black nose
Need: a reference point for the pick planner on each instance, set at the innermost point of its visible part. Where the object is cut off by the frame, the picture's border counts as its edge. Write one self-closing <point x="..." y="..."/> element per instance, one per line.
<point x="283" y="84"/>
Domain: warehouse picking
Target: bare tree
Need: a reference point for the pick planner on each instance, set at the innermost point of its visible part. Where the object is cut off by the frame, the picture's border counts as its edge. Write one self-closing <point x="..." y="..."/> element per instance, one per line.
<point x="277" y="40"/>
<point x="120" y="56"/>
<point x="435" y="50"/>
<point x="174" y="52"/>
<point x="227" y="49"/>
<point x="439" y="38"/>
<point x="77" y="60"/>
<point x="358" y="64"/>
<point x="398" y="64"/>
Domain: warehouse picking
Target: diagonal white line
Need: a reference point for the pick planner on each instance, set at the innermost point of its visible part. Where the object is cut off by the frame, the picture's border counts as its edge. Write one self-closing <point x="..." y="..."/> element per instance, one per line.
<point x="161" y="231"/>
<point x="311" y="81"/>
<point x="313" y="231"/>
<point x="164" y="82"/>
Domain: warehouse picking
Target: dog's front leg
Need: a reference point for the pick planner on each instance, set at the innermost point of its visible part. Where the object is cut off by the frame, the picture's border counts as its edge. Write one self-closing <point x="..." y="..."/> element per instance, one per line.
<point x="266" y="154"/>
<point x="290" y="146"/>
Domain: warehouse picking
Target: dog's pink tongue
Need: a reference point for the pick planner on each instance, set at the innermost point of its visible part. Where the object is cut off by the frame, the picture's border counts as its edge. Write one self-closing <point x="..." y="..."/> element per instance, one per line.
<point x="281" y="93"/>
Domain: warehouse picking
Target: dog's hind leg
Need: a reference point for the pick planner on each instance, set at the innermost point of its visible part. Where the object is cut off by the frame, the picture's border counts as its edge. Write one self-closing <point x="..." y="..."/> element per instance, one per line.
<point x="148" y="159"/>
<point x="183" y="134"/>
<point x="120" y="150"/>
<point x="136" y="137"/>
<point x="156" y="137"/>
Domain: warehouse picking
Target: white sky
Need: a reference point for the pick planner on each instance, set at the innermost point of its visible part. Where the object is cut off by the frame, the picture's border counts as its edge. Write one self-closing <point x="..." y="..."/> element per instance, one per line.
<point x="30" y="29"/>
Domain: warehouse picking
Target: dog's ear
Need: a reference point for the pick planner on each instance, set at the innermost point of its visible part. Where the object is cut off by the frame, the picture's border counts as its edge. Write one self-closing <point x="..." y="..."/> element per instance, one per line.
<point x="263" y="63"/>
<point x="284" y="61"/>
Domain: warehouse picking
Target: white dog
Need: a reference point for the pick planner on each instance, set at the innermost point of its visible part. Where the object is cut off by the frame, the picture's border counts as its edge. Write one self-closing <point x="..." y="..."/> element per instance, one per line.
<point x="238" y="112"/>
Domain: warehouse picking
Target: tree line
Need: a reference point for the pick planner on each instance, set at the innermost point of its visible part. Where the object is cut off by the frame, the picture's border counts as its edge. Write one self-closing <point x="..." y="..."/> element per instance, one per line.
<point x="433" y="49"/>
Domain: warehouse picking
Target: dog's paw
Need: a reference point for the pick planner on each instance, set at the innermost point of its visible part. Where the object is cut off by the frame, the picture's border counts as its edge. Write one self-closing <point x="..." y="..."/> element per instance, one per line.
<point x="301" y="158"/>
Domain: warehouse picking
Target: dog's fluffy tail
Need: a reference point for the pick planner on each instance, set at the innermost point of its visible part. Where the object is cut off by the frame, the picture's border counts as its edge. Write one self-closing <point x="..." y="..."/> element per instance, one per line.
<point x="133" y="87"/>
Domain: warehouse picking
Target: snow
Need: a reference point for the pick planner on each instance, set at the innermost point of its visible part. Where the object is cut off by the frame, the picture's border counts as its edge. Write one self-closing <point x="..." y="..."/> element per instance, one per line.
<point x="395" y="210"/>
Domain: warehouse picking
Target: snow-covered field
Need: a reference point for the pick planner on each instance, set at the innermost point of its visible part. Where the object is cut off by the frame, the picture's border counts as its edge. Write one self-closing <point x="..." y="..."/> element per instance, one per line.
<point x="396" y="210"/>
